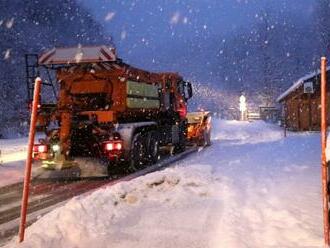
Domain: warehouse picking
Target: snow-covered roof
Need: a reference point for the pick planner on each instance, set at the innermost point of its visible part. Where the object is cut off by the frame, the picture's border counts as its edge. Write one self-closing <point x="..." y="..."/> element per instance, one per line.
<point x="299" y="83"/>
<point x="77" y="55"/>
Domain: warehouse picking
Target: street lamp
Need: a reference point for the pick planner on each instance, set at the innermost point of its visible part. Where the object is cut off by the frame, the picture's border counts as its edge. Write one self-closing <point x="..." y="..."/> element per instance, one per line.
<point x="242" y="107"/>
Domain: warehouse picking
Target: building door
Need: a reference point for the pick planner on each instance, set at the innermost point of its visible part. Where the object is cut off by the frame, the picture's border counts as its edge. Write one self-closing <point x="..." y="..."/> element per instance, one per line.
<point x="304" y="115"/>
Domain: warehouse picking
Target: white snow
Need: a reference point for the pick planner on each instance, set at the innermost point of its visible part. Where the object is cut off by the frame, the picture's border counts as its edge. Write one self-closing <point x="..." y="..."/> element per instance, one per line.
<point x="10" y="23"/>
<point x="7" y="54"/>
<point x="109" y="16"/>
<point x="251" y="188"/>
<point x="175" y="18"/>
<point x="12" y="159"/>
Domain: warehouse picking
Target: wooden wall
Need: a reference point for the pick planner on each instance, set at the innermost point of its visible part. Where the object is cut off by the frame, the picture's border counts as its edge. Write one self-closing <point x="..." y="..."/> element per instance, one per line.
<point x="303" y="111"/>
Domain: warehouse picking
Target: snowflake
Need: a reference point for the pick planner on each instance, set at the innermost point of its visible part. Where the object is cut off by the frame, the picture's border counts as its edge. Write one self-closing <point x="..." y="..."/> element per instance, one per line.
<point x="10" y="23"/>
<point x="109" y="16"/>
<point x="123" y="35"/>
<point x="7" y="54"/>
<point x="175" y="18"/>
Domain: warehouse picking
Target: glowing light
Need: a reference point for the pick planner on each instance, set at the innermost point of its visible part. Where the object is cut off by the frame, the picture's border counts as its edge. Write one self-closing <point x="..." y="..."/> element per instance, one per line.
<point x="56" y="148"/>
<point x="109" y="146"/>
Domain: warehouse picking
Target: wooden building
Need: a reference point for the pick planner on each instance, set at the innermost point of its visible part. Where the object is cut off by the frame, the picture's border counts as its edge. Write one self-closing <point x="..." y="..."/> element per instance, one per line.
<point x="301" y="109"/>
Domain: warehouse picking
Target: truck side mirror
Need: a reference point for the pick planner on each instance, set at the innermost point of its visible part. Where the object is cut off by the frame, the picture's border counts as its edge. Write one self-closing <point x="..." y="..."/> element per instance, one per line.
<point x="189" y="90"/>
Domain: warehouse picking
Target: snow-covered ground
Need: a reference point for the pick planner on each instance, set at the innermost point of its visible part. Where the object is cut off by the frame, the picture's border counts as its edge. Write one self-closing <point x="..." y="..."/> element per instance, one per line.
<point x="12" y="159"/>
<point x="251" y="188"/>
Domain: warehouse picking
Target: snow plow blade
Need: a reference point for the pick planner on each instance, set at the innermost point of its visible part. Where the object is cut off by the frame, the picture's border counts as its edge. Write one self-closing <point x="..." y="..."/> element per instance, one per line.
<point x="52" y="169"/>
<point x="199" y="128"/>
<point x="58" y="165"/>
<point x="68" y="173"/>
<point x="79" y="168"/>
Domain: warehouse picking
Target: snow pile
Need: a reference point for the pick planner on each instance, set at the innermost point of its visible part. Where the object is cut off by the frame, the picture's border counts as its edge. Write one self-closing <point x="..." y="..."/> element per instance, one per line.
<point x="251" y="188"/>
<point x="242" y="132"/>
<point x="133" y="213"/>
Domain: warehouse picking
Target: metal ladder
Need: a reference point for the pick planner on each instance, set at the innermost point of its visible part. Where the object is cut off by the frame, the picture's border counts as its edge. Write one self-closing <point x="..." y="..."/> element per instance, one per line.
<point x="32" y="69"/>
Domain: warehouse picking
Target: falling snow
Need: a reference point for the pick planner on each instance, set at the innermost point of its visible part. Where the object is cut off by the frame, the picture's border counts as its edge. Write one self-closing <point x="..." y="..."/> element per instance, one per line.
<point x="175" y="18"/>
<point x="10" y="23"/>
<point x="7" y="54"/>
<point x="109" y="16"/>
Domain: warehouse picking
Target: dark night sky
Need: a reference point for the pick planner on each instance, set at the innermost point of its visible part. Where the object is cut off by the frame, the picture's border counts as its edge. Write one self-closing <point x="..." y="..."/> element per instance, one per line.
<point x="142" y="29"/>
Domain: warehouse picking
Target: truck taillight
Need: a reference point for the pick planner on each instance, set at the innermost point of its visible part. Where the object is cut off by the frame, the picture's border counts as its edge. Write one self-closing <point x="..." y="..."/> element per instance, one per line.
<point x="40" y="148"/>
<point x="182" y="111"/>
<point x="118" y="146"/>
<point x="113" y="146"/>
<point x="109" y="146"/>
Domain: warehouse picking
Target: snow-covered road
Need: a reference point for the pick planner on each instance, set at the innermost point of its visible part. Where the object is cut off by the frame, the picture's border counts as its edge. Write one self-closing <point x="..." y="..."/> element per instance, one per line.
<point x="251" y="188"/>
<point x="12" y="159"/>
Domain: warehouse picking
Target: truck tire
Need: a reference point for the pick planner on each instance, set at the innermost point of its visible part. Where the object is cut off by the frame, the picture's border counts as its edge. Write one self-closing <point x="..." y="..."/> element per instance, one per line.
<point x="152" y="147"/>
<point x="138" y="158"/>
<point x="181" y="145"/>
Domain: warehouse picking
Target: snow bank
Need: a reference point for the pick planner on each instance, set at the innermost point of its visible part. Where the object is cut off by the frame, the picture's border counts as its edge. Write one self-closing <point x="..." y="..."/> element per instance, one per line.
<point x="251" y="188"/>
<point x="147" y="212"/>
<point x="244" y="132"/>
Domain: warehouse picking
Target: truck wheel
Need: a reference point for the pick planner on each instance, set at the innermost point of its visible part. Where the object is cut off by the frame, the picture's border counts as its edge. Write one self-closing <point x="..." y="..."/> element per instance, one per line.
<point x="153" y="147"/>
<point x="138" y="152"/>
<point x="181" y="146"/>
<point x="113" y="168"/>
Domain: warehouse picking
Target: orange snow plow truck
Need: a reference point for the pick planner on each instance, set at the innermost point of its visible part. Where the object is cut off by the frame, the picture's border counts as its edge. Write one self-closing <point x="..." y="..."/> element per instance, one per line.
<point x="106" y="109"/>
